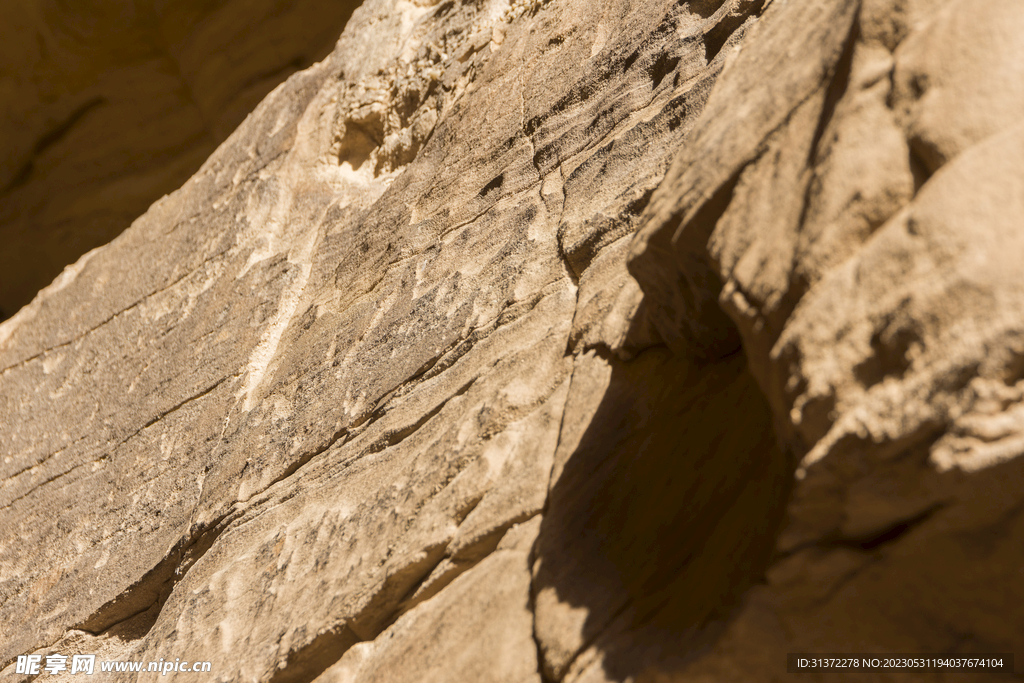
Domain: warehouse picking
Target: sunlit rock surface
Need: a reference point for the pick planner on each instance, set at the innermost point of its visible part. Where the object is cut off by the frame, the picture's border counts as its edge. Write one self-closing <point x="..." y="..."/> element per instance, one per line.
<point x="107" y="105"/>
<point x="374" y="396"/>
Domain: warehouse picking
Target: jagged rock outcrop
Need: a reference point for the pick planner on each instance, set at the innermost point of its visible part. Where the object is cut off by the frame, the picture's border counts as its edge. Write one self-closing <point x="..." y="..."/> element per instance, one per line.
<point x="374" y="397"/>
<point x="107" y="106"/>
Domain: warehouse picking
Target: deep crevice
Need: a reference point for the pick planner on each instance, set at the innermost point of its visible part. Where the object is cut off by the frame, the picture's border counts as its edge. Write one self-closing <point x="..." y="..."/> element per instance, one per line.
<point x="716" y="38"/>
<point x="703" y="8"/>
<point x="919" y="170"/>
<point x="662" y="66"/>
<point x="892" y="342"/>
<point x="493" y="185"/>
<point x="466" y="559"/>
<point x="306" y="663"/>
<point x="397" y="436"/>
<point x="149" y="594"/>
<point x="839" y="83"/>
<point x="378" y="613"/>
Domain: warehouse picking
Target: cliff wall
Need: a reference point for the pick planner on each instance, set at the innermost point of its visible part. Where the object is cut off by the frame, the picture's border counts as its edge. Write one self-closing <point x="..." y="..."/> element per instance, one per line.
<point x="550" y="341"/>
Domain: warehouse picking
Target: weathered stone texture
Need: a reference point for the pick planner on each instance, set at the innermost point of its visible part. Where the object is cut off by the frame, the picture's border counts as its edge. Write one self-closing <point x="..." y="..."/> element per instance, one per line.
<point x="374" y="396"/>
<point x="863" y="236"/>
<point x="106" y="105"/>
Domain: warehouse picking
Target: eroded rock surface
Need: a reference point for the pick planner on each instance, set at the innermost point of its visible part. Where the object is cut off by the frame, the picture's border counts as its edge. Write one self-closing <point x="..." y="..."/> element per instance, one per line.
<point x="861" y="230"/>
<point x="105" y="106"/>
<point x="373" y="396"/>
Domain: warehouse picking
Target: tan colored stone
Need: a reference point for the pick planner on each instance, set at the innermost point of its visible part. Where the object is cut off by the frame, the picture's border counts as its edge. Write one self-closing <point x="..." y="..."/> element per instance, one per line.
<point x="868" y="259"/>
<point x="333" y="372"/>
<point x="375" y="396"/>
<point x="107" y="106"/>
<point x="960" y="77"/>
<point x="479" y="629"/>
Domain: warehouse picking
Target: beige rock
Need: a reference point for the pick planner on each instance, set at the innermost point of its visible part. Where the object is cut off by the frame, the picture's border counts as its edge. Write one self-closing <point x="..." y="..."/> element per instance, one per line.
<point x="479" y="629"/>
<point x="334" y="371"/>
<point x="393" y="389"/>
<point x="107" y="106"/>
<point x="876" y="302"/>
<point x="960" y="77"/>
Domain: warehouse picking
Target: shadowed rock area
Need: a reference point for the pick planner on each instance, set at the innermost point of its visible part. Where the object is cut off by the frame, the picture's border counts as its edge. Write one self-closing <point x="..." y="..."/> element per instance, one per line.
<point x="549" y="341"/>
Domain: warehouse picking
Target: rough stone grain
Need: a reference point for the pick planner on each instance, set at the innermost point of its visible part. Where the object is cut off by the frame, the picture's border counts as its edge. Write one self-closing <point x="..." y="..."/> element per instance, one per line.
<point x="548" y="341"/>
<point x="864" y="250"/>
<point x="105" y="106"/>
<point x="309" y="392"/>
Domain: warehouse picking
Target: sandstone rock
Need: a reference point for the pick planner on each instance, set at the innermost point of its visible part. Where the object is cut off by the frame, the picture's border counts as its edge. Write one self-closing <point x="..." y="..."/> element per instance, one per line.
<point x="340" y="375"/>
<point x="107" y="106"/>
<point x="375" y="397"/>
<point x="868" y="276"/>
<point x="487" y="607"/>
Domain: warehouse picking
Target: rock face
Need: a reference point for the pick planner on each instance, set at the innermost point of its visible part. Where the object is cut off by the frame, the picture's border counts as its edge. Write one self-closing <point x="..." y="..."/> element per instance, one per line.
<point x="107" y="105"/>
<point x="549" y="341"/>
<point x="858" y="223"/>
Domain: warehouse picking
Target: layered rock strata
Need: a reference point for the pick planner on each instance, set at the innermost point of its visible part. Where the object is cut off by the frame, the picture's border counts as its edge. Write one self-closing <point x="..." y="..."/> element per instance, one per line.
<point x="374" y="397"/>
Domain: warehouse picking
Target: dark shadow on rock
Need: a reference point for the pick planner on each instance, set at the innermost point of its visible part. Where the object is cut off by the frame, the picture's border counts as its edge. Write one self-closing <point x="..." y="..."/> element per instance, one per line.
<point x="664" y="509"/>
